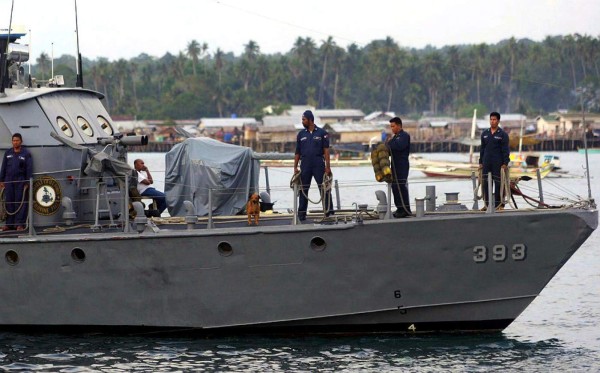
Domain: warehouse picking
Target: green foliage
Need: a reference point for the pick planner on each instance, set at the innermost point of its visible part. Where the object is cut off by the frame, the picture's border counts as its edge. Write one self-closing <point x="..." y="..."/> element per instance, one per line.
<point x="511" y="76"/>
<point x="466" y="110"/>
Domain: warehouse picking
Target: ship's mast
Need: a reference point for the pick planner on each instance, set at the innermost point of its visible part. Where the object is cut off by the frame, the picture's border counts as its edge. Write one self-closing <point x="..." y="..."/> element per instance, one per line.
<point x="79" y="82"/>
<point x="4" y="54"/>
<point x="473" y="125"/>
<point x="587" y="163"/>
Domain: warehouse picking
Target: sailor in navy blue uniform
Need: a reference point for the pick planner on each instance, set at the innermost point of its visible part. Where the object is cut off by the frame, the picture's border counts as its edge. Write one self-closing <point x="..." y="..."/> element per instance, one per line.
<point x="17" y="169"/>
<point x="312" y="149"/>
<point x="494" y="156"/>
<point x="399" y="146"/>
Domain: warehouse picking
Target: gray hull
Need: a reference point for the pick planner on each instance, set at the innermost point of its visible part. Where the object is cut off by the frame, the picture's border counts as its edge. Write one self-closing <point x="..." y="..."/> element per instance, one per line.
<point x="476" y="272"/>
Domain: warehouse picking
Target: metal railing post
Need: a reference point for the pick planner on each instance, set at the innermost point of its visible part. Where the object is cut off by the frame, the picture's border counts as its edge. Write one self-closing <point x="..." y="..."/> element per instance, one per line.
<point x="388" y="214"/>
<point x="267" y="180"/>
<point x="475" y="200"/>
<point x="337" y="194"/>
<point x="541" y="193"/>
<point x="209" y="224"/>
<point x="126" y="206"/>
<point x="30" y="207"/>
<point x="295" y="199"/>
<point x="491" y="197"/>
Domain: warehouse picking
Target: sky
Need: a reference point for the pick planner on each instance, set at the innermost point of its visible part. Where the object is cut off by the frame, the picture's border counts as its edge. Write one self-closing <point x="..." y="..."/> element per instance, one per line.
<point x="126" y="28"/>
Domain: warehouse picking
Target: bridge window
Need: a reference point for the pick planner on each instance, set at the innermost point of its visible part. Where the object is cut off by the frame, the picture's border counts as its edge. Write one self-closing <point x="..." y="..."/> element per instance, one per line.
<point x="85" y="126"/>
<point x="64" y="126"/>
<point x="105" y="125"/>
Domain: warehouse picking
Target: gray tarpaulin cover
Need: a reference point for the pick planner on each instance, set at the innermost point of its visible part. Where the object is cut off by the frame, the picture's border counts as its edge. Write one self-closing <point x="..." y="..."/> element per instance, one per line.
<point x="199" y="164"/>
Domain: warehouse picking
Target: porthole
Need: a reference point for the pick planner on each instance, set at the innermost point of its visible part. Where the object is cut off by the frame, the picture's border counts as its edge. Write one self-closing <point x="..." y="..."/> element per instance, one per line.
<point x="64" y="126"/>
<point x="85" y="126"/>
<point x="12" y="257"/>
<point x="105" y="125"/>
<point x="78" y="255"/>
<point x="225" y="248"/>
<point x="318" y="244"/>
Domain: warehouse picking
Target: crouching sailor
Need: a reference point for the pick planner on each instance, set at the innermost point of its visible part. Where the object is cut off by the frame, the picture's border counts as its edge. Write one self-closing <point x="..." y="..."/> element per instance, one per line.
<point x="17" y="169"/>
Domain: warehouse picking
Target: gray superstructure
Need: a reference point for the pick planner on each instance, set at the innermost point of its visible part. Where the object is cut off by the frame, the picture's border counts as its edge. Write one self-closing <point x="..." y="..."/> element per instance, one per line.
<point x="83" y="263"/>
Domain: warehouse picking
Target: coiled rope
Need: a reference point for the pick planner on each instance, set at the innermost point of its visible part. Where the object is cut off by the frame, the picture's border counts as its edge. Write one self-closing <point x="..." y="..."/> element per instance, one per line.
<point x="326" y="186"/>
<point x="4" y="210"/>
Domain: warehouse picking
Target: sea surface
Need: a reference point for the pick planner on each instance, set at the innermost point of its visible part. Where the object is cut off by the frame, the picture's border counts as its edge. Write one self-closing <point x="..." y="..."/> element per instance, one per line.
<point x="559" y="331"/>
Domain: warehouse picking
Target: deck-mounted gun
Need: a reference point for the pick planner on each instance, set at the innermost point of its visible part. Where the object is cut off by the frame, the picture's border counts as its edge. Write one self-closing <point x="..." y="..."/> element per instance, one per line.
<point x="120" y="142"/>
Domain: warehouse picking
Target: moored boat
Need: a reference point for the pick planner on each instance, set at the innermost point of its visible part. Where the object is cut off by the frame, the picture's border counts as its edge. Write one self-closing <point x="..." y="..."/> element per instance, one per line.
<point x="435" y="168"/>
<point x="83" y="262"/>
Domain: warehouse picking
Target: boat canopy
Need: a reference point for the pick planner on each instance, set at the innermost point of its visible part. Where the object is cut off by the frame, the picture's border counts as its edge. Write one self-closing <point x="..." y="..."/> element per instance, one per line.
<point x="197" y="165"/>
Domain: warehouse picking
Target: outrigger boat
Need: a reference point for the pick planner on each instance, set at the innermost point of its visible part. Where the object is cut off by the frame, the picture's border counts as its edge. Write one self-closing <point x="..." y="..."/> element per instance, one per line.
<point x="434" y="168"/>
<point x="84" y="263"/>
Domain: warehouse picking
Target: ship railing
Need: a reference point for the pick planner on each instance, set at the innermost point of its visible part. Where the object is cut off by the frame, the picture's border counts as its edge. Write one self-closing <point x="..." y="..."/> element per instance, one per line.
<point x="349" y="195"/>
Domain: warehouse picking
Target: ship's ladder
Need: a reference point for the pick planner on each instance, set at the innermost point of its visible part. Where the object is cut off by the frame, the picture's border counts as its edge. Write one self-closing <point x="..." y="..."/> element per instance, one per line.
<point x="102" y="195"/>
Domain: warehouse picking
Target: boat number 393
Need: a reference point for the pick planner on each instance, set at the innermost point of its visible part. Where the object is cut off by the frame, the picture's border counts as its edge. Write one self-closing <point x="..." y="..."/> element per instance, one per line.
<point x="499" y="253"/>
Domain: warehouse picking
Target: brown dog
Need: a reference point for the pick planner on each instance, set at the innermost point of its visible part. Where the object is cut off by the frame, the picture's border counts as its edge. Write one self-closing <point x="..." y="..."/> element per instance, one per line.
<point x="253" y="209"/>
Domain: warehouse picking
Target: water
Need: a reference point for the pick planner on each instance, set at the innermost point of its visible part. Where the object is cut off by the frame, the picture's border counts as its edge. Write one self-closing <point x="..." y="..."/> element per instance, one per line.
<point x="560" y="330"/>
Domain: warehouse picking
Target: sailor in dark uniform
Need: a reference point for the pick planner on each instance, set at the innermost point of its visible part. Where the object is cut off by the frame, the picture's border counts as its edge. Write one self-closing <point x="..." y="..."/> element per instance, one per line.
<point x="494" y="156"/>
<point x="399" y="146"/>
<point x="312" y="148"/>
<point x="17" y="169"/>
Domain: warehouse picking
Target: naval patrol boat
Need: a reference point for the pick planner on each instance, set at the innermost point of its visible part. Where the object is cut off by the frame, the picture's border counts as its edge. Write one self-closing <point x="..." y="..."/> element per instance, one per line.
<point x="84" y="262"/>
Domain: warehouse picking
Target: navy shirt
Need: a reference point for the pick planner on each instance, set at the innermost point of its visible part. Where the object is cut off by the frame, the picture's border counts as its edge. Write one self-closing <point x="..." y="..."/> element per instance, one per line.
<point x="399" y="146"/>
<point x="494" y="148"/>
<point x="16" y="166"/>
<point x="310" y="145"/>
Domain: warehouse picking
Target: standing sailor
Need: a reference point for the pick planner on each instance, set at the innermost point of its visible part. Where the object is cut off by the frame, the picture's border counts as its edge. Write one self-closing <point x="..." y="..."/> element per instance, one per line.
<point x="399" y="146"/>
<point x="494" y="156"/>
<point x="312" y="147"/>
<point x="17" y="169"/>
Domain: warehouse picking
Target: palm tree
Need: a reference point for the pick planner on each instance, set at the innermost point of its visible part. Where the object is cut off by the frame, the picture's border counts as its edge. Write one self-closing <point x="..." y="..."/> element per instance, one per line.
<point x="219" y="64"/>
<point x="388" y="63"/>
<point x="248" y="63"/>
<point x="326" y="50"/>
<point x="193" y="51"/>
<point x="121" y="68"/>
<point x="338" y="58"/>
<point x="433" y="78"/>
<point x="42" y="62"/>
<point x="133" y="69"/>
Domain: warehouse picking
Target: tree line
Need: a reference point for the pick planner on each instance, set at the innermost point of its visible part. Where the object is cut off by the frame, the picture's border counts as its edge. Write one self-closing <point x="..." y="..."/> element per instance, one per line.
<point x="533" y="78"/>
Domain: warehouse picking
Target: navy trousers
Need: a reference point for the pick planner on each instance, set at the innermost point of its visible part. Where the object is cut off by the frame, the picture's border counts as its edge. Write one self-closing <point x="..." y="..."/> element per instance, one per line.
<point x="494" y="168"/>
<point x="306" y="174"/>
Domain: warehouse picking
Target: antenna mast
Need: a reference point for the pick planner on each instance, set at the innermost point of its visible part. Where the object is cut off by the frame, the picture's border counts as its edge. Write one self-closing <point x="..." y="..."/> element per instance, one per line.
<point x="587" y="163"/>
<point x="79" y="82"/>
<point x="4" y="55"/>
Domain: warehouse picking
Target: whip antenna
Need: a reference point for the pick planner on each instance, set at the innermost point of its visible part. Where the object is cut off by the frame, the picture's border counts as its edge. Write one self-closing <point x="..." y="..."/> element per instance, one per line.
<point x="79" y="82"/>
<point x="587" y="163"/>
<point x="3" y="59"/>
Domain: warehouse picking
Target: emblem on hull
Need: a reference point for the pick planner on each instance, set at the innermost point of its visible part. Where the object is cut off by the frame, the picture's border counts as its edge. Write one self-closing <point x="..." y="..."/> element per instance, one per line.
<point x="46" y="195"/>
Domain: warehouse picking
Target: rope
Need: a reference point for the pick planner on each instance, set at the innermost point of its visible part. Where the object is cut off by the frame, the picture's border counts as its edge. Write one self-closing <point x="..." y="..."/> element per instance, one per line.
<point x="326" y="186"/>
<point x="505" y="188"/>
<point x="5" y="210"/>
<point x="478" y="191"/>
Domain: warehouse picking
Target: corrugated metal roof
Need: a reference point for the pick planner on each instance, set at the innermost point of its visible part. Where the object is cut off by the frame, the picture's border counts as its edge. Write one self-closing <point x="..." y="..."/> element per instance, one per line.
<point x="339" y="113"/>
<point x="354" y="127"/>
<point x="384" y="114"/>
<point x="279" y="120"/>
<point x="225" y="122"/>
